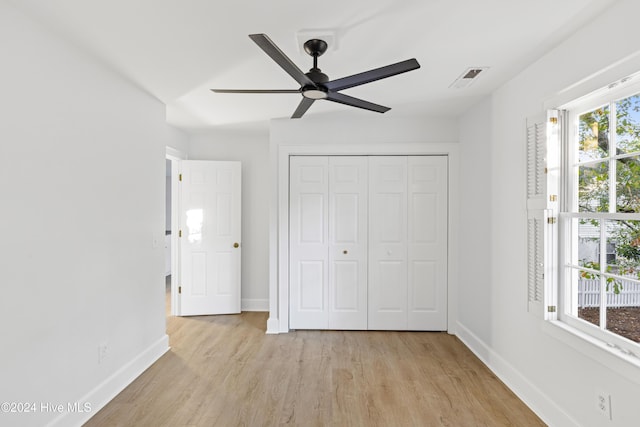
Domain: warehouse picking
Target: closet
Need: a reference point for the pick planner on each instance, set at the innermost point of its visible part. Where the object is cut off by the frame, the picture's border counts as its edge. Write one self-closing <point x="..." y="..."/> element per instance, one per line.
<point x="368" y="242"/>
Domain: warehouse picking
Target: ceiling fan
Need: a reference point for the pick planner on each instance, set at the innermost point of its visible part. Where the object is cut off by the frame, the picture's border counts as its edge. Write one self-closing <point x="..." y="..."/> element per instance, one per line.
<point x="315" y="84"/>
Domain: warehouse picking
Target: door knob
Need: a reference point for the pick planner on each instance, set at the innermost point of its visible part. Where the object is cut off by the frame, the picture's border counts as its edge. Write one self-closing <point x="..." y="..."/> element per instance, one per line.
<point x="344" y="252"/>
<point x="236" y="245"/>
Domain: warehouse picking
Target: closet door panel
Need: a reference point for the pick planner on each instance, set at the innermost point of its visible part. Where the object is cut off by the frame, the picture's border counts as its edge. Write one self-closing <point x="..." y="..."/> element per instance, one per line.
<point x="308" y="237"/>
<point x="427" y="243"/>
<point x="348" y="242"/>
<point x="387" y="243"/>
<point x="368" y="242"/>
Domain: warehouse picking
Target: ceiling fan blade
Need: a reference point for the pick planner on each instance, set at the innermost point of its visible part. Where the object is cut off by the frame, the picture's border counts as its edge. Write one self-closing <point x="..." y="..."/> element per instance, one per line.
<point x="356" y="102"/>
<point x="302" y="107"/>
<point x="255" y="90"/>
<point x="372" y="75"/>
<point x="281" y="59"/>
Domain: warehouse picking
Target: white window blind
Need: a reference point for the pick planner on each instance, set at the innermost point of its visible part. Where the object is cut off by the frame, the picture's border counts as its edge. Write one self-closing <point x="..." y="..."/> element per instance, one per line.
<point x="536" y="152"/>
<point x="542" y="213"/>
<point x="535" y="241"/>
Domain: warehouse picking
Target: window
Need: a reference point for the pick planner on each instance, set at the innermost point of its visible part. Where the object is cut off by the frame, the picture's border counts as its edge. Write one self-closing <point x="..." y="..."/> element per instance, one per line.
<point x="599" y="217"/>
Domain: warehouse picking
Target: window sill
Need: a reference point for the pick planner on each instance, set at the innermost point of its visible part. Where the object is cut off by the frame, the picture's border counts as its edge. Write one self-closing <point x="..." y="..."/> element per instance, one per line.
<point x="613" y="358"/>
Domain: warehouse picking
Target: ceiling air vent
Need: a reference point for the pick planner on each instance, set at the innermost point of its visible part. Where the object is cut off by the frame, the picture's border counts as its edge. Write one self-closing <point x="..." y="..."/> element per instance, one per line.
<point x="468" y="77"/>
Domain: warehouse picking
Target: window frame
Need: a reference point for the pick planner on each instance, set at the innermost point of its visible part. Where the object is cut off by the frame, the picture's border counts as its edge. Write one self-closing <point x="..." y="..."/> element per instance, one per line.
<point x="569" y="210"/>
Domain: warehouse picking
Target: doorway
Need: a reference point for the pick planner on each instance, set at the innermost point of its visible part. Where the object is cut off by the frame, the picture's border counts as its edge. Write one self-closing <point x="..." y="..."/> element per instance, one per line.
<point x="167" y="236"/>
<point x="172" y="273"/>
<point x="202" y="203"/>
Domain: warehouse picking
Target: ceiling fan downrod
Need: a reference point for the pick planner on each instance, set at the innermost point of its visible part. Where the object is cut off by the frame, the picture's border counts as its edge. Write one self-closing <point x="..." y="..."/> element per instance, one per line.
<point x="315" y="48"/>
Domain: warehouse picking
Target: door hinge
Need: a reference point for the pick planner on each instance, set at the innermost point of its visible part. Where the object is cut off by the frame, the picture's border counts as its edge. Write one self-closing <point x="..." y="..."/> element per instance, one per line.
<point x="551" y="309"/>
<point x="180" y="177"/>
<point x="179" y="233"/>
<point x="553" y="120"/>
<point x="552" y="220"/>
<point x="179" y="289"/>
<point x="553" y="198"/>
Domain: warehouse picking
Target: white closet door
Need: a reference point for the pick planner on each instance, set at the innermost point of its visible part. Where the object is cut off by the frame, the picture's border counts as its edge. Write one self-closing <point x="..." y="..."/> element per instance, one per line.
<point x="348" y="242"/>
<point x="387" y="302"/>
<point x="308" y="240"/>
<point x="427" y="245"/>
<point x="368" y="242"/>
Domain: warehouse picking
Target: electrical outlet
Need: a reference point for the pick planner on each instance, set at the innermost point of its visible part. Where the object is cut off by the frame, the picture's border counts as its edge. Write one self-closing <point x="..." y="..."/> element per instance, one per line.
<point x="102" y="351"/>
<point x="603" y="404"/>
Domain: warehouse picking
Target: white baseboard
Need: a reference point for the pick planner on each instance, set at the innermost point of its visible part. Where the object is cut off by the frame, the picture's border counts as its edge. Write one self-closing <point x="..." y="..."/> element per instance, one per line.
<point x="273" y="326"/>
<point x="532" y="396"/>
<point x="247" y="304"/>
<point x="475" y="344"/>
<point x="109" y="388"/>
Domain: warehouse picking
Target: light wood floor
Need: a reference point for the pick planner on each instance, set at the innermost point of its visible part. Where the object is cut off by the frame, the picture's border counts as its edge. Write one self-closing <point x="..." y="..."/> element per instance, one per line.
<point x="224" y="371"/>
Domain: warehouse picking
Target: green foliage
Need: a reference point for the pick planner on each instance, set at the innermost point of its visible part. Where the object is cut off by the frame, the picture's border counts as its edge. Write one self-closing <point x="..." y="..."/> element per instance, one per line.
<point x="617" y="285"/>
<point x="627" y="250"/>
<point x="628" y="185"/>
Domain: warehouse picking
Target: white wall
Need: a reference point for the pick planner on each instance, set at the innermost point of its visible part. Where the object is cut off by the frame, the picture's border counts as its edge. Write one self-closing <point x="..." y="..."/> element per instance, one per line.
<point x="362" y="128"/>
<point x="474" y="305"/>
<point x="251" y="147"/>
<point x="556" y="379"/>
<point x="82" y="225"/>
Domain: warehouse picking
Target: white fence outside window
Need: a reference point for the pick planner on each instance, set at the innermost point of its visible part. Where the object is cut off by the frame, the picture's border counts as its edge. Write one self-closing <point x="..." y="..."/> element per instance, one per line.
<point x="589" y="294"/>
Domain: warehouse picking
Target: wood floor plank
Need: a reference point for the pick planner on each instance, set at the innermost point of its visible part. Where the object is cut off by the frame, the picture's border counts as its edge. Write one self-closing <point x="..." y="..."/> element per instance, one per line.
<point x="225" y="371"/>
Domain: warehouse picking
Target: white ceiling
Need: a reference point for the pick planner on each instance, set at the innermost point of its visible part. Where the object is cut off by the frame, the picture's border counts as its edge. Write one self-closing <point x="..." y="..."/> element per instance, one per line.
<point x="177" y="50"/>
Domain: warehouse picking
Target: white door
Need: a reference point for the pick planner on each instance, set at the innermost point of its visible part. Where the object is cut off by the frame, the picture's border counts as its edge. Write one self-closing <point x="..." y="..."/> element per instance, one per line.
<point x="368" y="242"/>
<point x="388" y="242"/>
<point x="209" y="237"/>
<point x="308" y="242"/>
<point x="328" y="242"/>
<point x="408" y="243"/>
<point x="427" y="243"/>
<point x="348" y="242"/>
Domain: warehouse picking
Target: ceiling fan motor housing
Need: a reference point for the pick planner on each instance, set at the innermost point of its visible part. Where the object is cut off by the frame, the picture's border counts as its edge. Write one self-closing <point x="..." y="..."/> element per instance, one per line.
<point x="320" y="91"/>
<point x="317" y="76"/>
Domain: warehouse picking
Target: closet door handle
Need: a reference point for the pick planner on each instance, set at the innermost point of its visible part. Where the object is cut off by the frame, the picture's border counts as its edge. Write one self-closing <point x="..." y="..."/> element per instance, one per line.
<point x="344" y="252"/>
